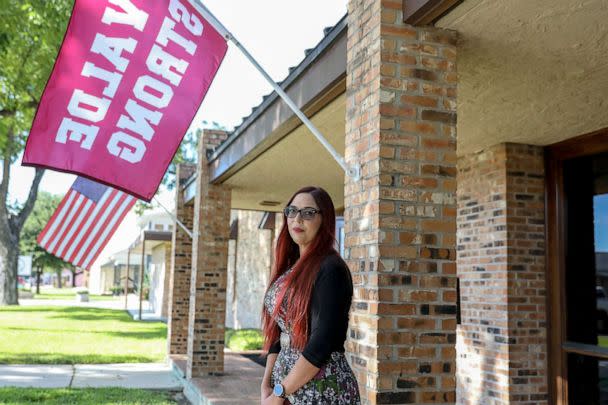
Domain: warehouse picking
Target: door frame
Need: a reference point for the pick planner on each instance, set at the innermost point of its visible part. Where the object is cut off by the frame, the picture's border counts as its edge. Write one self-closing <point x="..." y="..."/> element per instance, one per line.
<point x="555" y="239"/>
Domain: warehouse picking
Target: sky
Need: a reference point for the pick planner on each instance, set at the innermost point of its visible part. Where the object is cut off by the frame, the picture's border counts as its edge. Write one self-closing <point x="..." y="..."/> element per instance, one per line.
<point x="600" y="211"/>
<point x="275" y="32"/>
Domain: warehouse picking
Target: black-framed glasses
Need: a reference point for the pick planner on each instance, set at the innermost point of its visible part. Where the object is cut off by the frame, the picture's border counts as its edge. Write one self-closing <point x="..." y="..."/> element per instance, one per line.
<point x="307" y="213"/>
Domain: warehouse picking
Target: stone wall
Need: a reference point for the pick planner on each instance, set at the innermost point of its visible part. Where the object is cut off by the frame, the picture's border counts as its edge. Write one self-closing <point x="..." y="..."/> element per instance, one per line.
<point x="160" y="273"/>
<point x="248" y="275"/>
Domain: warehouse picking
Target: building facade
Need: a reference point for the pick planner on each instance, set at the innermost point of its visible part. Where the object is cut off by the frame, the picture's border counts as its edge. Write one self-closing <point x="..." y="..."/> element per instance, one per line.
<point x="476" y="230"/>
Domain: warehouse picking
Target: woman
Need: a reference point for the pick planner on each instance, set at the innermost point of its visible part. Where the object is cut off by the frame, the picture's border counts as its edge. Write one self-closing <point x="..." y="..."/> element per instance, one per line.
<point x="305" y="334"/>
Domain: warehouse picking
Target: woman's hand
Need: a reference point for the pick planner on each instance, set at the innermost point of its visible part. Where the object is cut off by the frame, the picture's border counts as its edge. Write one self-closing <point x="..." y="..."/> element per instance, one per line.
<point x="266" y="391"/>
<point x="273" y="400"/>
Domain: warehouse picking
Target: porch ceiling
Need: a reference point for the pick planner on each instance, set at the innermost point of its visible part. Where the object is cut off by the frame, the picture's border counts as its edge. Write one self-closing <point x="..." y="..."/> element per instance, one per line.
<point x="297" y="160"/>
<point x="532" y="72"/>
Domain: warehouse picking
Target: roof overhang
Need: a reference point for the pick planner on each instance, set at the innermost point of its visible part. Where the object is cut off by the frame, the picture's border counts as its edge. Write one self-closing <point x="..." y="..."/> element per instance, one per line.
<point x="319" y="79"/>
<point x="530" y="72"/>
<point x="152" y="240"/>
<point x="426" y="12"/>
<point x="258" y="160"/>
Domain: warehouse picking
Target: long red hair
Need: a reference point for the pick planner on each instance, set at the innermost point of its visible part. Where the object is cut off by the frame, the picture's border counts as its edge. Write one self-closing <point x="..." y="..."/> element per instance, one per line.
<point x="298" y="285"/>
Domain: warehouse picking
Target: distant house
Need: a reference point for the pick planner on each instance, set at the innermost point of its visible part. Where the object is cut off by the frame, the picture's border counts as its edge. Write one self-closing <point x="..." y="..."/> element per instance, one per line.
<point x="112" y="274"/>
<point x="114" y="270"/>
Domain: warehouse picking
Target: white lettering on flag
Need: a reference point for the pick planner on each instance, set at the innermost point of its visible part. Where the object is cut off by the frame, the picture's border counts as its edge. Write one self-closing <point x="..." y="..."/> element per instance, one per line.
<point x="127" y="70"/>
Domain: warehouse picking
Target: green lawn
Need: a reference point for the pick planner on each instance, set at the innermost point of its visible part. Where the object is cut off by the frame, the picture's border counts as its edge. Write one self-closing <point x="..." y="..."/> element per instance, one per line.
<point x="86" y="396"/>
<point x="244" y="339"/>
<point x="68" y="294"/>
<point x="76" y="335"/>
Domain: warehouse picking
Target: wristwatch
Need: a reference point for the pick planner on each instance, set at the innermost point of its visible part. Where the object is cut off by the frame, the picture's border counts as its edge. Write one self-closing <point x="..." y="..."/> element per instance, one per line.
<point x="279" y="390"/>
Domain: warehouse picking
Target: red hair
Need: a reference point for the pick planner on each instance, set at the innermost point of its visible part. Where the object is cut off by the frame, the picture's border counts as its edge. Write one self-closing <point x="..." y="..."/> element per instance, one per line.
<point x="299" y="283"/>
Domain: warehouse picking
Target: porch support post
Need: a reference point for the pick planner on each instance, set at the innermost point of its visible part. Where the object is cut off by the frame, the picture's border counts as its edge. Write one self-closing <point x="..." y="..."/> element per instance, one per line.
<point x="502" y="339"/>
<point x="211" y="231"/>
<point x="181" y="268"/>
<point x="400" y="218"/>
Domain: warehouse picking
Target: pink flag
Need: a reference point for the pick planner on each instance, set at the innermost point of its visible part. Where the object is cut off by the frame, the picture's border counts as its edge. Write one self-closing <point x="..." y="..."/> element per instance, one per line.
<point x="125" y="87"/>
<point x="84" y="222"/>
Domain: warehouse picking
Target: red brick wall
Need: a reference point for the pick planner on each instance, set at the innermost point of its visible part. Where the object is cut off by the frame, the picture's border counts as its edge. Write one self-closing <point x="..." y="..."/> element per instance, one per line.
<point x="209" y="269"/>
<point x="181" y="269"/>
<point x="400" y="217"/>
<point x="502" y="353"/>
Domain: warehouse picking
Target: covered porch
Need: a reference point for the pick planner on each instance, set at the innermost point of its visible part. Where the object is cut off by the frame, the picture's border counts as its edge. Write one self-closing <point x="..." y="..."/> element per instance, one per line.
<point x="448" y="112"/>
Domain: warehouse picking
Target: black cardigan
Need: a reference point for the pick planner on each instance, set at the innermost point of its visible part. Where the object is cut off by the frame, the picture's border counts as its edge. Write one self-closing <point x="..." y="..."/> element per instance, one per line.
<point x="332" y="294"/>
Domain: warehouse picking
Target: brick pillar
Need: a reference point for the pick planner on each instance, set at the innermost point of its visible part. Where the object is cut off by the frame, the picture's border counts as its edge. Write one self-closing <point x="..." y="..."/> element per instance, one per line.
<point x="502" y="352"/>
<point x="400" y="218"/>
<point x="209" y="268"/>
<point x="181" y="268"/>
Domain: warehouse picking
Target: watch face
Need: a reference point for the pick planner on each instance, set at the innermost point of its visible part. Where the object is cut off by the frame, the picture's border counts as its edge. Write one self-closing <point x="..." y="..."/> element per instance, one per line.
<point x="278" y="390"/>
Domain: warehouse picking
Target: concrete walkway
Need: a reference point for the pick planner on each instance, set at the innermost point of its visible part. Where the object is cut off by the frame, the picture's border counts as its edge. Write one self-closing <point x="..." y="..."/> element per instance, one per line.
<point x="154" y="376"/>
<point x="238" y="385"/>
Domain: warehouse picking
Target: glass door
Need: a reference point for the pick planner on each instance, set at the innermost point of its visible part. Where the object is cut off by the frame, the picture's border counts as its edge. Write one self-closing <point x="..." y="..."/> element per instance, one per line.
<point x="585" y="260"/>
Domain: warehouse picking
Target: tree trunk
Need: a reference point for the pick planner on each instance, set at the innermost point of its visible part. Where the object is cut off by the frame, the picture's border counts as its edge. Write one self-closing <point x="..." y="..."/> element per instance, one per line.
<point x="59" y="281"/>
<point x="9" y="264"/>
<point x="38" y="274"/>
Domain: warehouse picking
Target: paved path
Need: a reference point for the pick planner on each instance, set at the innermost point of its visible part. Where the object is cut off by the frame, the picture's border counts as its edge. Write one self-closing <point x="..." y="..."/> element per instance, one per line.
<point x="157" y="376"/>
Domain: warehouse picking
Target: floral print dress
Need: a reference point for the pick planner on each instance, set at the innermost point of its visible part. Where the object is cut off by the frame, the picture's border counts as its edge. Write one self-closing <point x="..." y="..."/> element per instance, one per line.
<point x="335" y="382"/>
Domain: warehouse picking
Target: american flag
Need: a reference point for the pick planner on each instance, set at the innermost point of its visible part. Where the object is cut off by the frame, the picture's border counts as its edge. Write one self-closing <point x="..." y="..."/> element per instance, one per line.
<point x="84" y="222"/>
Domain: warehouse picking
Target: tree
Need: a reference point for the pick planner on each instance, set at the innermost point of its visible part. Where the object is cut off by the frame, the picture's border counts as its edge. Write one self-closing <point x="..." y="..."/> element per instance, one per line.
<point x="45" y="206"/>
<point x="186" y="153"/>
<point x="30" y="35"/>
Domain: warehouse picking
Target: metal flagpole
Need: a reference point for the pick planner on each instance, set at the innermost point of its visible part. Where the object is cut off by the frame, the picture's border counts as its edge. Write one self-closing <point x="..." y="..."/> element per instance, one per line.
<point x="174" y="217"/>
<point x="354" y="171"/>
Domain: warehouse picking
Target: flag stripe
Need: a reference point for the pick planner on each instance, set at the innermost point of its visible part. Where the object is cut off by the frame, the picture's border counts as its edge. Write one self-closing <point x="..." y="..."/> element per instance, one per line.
<point x="47" y="228"/>
<point x="55" y="222"/>
<point x="67" y="223"/>
<point x="80" y="237"/>
<point x="83" y="223"/>
<point x="93" y="234"/>
<point x="68" y="238"/>
<point x="109" y="229"/>
<point x="61" y="223"/>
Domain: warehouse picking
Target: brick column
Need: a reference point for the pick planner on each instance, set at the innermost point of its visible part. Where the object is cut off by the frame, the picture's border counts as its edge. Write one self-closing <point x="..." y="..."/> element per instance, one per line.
<point x="502" y="352"/>
<point x="400" y="218"/>
<point x="181" y="268"/>
<point x="209" y="268"/>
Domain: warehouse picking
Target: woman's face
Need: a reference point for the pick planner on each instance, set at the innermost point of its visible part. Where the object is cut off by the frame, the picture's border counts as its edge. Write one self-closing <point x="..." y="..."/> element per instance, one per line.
<point x="303" y="231"/>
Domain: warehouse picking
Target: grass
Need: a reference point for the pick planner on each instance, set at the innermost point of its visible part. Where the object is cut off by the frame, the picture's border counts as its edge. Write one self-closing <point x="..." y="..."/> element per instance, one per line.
<point x="84" y="396"/>
<point x="77" y="335"/>
<point x="68" y="294"/>
<point x="244" y="339"/>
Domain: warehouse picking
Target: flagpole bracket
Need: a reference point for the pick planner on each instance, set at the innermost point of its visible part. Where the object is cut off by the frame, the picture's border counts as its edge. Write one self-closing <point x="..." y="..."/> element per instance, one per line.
<point x="354" y="172"/>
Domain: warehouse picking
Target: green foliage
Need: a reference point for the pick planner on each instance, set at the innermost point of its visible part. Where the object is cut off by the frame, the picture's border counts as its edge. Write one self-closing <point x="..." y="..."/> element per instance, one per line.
<point x="78" y="335"/>
<point x="84" y="396"/>
<point x="244" y="339"/>
<point x="45" y="205"/>
<point x="31" y="32"/>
